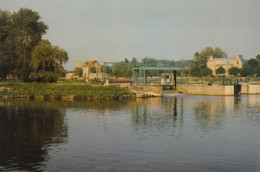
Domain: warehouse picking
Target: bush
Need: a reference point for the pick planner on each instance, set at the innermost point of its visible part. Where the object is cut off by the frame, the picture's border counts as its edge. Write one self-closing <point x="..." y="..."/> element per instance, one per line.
<point x="220" y="70"/>
<point x="195" y="71"/>
<point x="234" y="71"/>
<point x="247" y="70"/>
<point x="206" y="72"/>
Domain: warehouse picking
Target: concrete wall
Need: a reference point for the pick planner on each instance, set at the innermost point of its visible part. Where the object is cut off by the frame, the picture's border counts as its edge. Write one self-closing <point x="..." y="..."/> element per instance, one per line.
<point x="202" y="89"/>
<point x="147" y="91"/>
<point x="250" y="89"/>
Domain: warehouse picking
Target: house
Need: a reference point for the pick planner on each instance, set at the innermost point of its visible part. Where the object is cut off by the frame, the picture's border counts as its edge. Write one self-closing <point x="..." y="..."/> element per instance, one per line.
<point x="226" y="63"/>
<point x="92" y="70"/>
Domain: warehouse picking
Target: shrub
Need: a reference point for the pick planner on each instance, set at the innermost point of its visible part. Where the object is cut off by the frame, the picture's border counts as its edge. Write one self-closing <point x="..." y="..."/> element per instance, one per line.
<point x="234" y="71"/>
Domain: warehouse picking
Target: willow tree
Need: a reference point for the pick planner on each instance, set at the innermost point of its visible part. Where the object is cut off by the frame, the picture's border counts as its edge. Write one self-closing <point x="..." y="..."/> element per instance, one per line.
<point x="46" y="62"/>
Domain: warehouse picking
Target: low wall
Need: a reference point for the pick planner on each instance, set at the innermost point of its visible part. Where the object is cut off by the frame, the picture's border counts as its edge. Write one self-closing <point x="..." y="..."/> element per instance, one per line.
<point x="250" y="89"/>
<point x="147" y="91"/>
<point x="202" y="89"/>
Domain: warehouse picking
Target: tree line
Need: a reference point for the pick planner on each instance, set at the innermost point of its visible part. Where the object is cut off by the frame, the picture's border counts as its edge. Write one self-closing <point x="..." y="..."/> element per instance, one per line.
<point x="23" y="53"/>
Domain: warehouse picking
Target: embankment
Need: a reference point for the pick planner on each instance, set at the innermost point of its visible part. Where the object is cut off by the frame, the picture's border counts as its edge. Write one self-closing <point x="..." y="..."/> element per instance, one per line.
<point x="203" y="89"/>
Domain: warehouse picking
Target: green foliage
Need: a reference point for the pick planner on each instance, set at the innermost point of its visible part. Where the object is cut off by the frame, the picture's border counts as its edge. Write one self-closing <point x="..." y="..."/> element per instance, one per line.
<point x="46" y="62"/>
<point x="257" y="70"/>
<point x="234" y="71"/>
<point x="106" y="69"/>
<point x="220" y="70"/>
<point x="209" y="51"/>
<point x="195" y="71"/>
<point x="206" y="72"/>
<point x="62" y="89"/>
<point x="19" y="34"/>
<point x="253" y="62"/>
<point x="257" y="57"/>
<point x="247" y="70"/>
<point x="93" y="70"/>
<point x="126" y="60"/>
<point x="78" y="71"/>
<point x="122" y="69"/>
<point x="148" y="61"/>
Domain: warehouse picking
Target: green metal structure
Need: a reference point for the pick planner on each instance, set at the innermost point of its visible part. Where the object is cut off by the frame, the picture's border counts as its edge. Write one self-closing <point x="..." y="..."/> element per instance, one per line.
<point x="139" y="73"/>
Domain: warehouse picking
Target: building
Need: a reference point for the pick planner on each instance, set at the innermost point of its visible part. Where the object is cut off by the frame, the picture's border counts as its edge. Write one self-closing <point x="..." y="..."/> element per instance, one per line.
<point x="92" y="70"/>
<point x="226" y="63"/>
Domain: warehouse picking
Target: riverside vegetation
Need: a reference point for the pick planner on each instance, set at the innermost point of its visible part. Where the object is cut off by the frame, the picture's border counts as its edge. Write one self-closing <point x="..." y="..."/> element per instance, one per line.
<point x="61" y="91"/>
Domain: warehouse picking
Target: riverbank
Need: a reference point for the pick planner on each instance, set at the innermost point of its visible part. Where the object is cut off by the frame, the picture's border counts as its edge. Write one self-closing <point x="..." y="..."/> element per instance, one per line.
<point x="61" y="91"/>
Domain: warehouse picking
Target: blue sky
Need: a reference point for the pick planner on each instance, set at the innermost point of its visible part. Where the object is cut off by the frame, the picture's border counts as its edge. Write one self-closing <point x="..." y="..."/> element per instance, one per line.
<point x="111" y="30"/>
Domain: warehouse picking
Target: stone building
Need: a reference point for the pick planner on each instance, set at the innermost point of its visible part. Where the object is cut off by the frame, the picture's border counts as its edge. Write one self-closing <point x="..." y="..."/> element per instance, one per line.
<point x="92" y="70"/>
<point x="226" y="63"/>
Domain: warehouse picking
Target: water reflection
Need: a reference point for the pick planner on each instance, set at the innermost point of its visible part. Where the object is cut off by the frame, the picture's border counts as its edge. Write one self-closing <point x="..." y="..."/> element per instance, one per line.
<point x="184" y="133"/>
<point x="27" y="129"/>
<point x="157" y="112"/>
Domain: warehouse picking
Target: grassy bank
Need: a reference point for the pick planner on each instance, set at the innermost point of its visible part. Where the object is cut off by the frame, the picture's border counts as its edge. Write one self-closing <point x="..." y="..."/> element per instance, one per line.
<point x="65" y="90"/>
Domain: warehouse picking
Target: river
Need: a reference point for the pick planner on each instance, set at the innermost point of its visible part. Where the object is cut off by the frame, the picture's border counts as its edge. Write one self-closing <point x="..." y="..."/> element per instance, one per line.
<point x="181" y="133"/>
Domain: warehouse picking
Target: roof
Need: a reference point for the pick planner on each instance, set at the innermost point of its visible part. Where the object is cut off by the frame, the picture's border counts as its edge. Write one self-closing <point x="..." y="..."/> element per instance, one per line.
<point x="225" y="61"/>
<point x="88" y="63"/>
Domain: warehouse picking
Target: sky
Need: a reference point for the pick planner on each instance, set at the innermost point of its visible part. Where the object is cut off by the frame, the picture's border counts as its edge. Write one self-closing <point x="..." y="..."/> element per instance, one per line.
<point x="112" y="30"/>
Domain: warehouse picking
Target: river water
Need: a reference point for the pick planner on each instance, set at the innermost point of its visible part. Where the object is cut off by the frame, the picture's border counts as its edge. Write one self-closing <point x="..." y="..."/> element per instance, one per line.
<point x="181" y="133"/>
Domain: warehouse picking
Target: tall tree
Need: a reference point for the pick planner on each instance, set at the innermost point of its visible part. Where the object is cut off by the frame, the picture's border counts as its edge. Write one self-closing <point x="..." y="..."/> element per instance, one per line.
<point x="7" y="57"/>
<point x="196" y="58"/>
<point x="26" y="32"/>
<point x="46" y="62"/>
<point x="209" y="51"/>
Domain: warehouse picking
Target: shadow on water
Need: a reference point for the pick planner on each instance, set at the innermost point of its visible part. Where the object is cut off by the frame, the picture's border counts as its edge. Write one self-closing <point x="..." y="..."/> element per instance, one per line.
<point x="27" y="129"/>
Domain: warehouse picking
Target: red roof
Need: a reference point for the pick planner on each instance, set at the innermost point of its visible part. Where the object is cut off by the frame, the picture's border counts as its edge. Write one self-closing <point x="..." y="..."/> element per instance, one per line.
<point x="88" y="63"/>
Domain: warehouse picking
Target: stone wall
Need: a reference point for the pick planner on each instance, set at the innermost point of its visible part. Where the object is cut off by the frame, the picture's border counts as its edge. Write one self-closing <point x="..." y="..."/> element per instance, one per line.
<point x="250" y="89"/>
<point x="202" y="89"/>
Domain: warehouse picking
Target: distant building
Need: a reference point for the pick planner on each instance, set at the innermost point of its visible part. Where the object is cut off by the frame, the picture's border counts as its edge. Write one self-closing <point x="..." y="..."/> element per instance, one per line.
<point x="226" y="63"/>
<point x="92" y="70"/>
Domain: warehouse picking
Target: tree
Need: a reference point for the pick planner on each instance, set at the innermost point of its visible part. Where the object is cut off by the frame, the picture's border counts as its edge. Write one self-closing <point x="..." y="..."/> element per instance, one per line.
<point x="207" y="72"/>
<point x="134" y="61"/>
<point x="126" y="60"/>
<point x="78" y="71"/>
<point x="46" y="63"/>
<point x="106" y="69"/>
<point x="257" y="57"/>
<point x="7" y="56"/>
<point x="122" y="69"/>
<point x="148" y="61"/>
<point x="195" y="71"/>
<point x="234" y="71"/>
<point x="257" y="70"/>
<point x="196" y="58"/>
<point x="26" y="32"/>
<point x="209" y="51"/>
<point x="252" y="62"/>
<point x="247" y="70"/>
<point x="220" y="70"/>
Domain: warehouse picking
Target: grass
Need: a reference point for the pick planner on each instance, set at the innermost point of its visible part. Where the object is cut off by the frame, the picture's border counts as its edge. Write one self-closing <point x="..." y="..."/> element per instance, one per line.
<point x="78" y="89"/>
